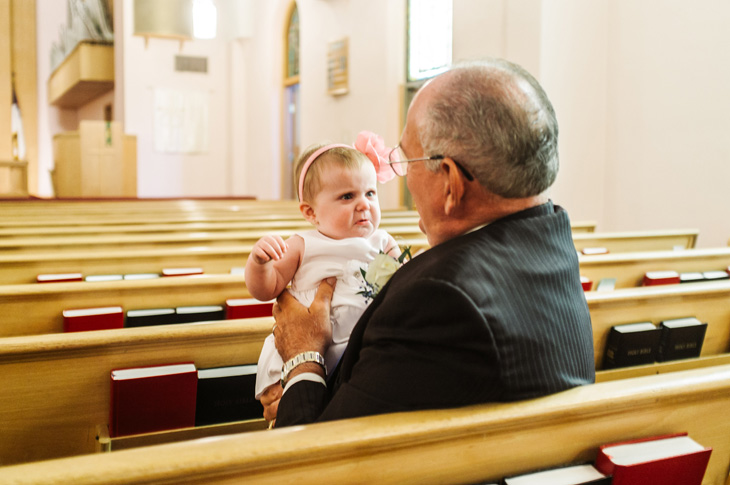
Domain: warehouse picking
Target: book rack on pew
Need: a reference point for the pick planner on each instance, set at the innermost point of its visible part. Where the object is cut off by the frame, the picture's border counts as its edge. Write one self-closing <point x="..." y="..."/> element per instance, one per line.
<point x="464" y="445"/>
<point x="105" y="443"/>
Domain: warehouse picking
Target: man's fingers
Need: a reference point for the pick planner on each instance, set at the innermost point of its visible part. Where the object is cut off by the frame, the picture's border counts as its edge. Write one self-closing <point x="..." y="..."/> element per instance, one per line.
<point x="323" y="298"/>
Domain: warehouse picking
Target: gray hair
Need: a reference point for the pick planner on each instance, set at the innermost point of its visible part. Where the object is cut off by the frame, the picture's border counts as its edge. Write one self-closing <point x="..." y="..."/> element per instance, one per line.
<point x="494" y="118"/>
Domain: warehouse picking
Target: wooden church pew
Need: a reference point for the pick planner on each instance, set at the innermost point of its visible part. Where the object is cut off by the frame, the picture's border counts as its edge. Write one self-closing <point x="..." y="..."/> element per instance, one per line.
<point x="183" y="227"/>
<point x="466" y="445"/>
<point x="37" y="308"/>
<point x="133" y="242"/>
<point x="56" y="386"/>
<point x="629" y="268"/>
<point x="71" y="370"/>
<point x="709" y="302"/>
<point x="621" y="242"/>
<point x="23" y="268"/>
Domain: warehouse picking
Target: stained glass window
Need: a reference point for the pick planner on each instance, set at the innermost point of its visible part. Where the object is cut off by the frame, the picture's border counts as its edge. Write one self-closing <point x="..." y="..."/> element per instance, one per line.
<point x="292" y="44"/>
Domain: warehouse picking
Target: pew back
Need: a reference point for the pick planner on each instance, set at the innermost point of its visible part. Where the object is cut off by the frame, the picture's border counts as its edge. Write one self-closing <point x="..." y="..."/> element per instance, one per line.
<point x="56" y="387"/>
<point x="23" y="268"/>
<point x="37" y="308"/>
<point x="629" y="268"/>
<point x="621" y="242"/>
<point x="709" y="302"/>
<point x="465" y="445"/>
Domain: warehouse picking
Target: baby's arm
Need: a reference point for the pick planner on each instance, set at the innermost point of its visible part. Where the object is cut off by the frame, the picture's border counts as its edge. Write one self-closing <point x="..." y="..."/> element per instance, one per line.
<point x="392" y="248"/>
<point x="272" y="265"/>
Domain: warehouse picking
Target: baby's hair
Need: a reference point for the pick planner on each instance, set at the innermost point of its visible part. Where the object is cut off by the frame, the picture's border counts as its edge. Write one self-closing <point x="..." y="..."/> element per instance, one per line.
<point x="348" y="158"/>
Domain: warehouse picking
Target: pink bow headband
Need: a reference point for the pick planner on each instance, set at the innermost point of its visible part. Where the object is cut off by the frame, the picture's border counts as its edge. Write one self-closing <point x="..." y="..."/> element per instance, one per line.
<point x="367" y="143"/>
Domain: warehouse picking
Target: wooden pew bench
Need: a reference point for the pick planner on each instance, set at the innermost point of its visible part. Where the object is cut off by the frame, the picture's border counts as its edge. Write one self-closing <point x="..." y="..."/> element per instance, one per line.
<point x="134" y="242"/>
<point x="629" y="268"/>
<point x="296" y="222"/>
<point x="23" y="268"/>
<point x="465" y="445"/>
<point x="71" y="370"/>
<point x="37" y="308"/>
<point x="56" y="386"/>
<point x="709" y="302"/>
<point x="621" y="242"/>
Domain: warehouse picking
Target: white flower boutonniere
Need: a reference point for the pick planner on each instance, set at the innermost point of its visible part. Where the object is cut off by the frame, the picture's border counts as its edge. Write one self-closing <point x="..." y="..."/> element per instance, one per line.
<point x="379" y="272"/>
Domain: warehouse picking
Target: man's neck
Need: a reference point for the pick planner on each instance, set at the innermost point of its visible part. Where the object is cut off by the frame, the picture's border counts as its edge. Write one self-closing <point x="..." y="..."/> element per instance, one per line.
<point x="480" y="212"/>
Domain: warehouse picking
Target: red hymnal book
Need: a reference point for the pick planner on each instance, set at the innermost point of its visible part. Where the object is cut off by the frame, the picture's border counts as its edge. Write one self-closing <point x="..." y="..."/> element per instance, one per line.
<point x="84" y="319"/>
<point x="59" y="278"/>
<point x="653" y="278"/>
<point x="662" y="460"/>
<point x="586" y="283"/>
<point x="181" y="271"/>
<point x="247" y="308"/>
<point x="154" y="398"/>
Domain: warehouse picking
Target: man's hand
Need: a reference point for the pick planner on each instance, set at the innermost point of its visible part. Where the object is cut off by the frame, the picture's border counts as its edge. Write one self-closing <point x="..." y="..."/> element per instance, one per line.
<point x="298" y="328"/>
<point x="270" y="400"/>
<point x="268" y="248"/>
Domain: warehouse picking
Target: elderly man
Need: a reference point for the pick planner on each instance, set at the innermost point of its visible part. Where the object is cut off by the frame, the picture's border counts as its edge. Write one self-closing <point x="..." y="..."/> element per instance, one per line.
<point x="494" y="311"/>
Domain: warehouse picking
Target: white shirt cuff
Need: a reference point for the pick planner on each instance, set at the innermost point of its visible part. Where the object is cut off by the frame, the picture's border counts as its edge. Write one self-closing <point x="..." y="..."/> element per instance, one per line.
<point x="305" y="376"/>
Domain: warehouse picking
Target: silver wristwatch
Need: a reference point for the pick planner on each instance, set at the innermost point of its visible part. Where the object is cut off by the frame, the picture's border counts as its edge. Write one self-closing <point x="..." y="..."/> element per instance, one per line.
<point x="299" y="359"/>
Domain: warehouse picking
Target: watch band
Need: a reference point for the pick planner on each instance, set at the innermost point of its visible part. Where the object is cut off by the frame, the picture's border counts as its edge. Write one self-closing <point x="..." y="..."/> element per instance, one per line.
<point x="299" y="359"/>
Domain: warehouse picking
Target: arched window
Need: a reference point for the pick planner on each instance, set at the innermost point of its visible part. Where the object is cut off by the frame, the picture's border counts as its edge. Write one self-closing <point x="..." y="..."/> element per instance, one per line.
<point x="290" y="115"/>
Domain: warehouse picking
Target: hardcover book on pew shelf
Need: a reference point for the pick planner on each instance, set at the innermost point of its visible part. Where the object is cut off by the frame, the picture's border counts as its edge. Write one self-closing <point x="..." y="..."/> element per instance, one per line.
<point x="691" y="277"/>
<point x="248" y="308"/>
<point x="103" y="277"/>
<point x="152" y="398"/>
<point x="653" y="278"/>
<point x="190" y="314"/>
<point x="715" y="275"/>
<point x="606" y="284"/>
<point x="226" y="394"/>
<point x="141" y="276"/>
<point x="663" y="460"/>
<point x="569" y="475"/>
<point x="181" y="271"/>
<point x="681" y="338"/>
<point x="84" y="319"/>
<point x="586" y="283"/>
<point x="592" y="251"/>
<point x="631" y="344"/>
<point x="150" y="316"/>
<point x="59" y="277"/>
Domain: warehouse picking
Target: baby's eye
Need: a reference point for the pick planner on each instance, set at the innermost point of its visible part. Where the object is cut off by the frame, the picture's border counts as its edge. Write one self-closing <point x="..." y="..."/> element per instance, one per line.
<point x="370" y="193"/>
<point x="347" y="196"/>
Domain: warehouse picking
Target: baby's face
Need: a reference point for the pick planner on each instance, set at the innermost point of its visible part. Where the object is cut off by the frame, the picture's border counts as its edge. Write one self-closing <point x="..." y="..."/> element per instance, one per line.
<point x="347" y="206"/>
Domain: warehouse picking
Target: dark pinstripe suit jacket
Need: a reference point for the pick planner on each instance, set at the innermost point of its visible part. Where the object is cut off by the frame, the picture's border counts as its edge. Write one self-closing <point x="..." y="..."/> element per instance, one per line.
<point x="495" y="315"/>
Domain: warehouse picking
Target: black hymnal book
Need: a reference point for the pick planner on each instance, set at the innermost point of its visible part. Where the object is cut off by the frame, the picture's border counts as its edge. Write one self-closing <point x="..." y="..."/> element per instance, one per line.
<point x="716" y="275"/>
<point x="631" y="344"/>
<point x="226" y="394"/>
<point x="681" y="338"/>
<point x="191" y="314"/>
<point x="691" y="277"/>
<point x="150" y="316"/>
<point x="569" y="475"/>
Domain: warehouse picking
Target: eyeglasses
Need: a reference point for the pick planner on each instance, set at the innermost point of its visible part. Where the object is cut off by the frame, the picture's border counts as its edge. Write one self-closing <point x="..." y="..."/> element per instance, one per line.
<point x="399" y="163"/>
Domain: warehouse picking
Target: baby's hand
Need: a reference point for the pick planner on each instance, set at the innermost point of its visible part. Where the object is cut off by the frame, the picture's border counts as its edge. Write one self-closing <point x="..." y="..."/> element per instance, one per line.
<point x="268" y="248"/>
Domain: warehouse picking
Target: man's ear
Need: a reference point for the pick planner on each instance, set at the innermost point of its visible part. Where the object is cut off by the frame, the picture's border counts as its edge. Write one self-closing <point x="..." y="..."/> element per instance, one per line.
<point x="453" y="186"/>
<point x="308" y="213"/>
